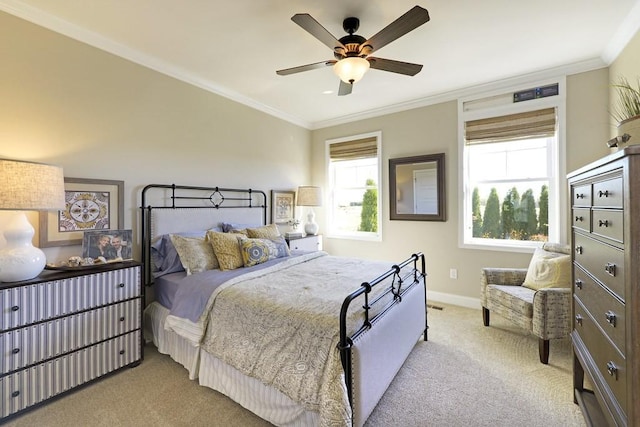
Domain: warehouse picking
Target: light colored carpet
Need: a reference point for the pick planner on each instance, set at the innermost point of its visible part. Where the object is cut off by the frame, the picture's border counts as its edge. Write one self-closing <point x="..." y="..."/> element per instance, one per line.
<point x="465" y="375"/>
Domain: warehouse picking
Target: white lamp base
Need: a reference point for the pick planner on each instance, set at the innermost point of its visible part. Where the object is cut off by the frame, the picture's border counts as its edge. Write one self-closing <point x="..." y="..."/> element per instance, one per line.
<point x="19" y="259"/>
<point x="311" y="227"/>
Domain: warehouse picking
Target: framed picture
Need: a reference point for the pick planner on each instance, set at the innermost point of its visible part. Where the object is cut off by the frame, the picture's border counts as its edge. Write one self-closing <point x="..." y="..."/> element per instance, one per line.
<point x="91" y="204"/>
<point x="282" y="206"/>
<point x="107" y="245"/>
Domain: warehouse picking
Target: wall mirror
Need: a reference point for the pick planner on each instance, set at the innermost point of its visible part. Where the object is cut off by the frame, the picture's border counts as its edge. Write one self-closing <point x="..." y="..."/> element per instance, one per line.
<point x="416" y="188"/>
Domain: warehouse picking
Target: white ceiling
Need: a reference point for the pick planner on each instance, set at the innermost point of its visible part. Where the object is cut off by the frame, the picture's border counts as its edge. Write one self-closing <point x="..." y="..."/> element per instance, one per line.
<point x="233" y="48"/>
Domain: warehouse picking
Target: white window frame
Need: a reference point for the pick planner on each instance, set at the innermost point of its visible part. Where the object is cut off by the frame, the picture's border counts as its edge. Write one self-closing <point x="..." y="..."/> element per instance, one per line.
<point x="495" y="105"/>
<point x="356" y="235"/>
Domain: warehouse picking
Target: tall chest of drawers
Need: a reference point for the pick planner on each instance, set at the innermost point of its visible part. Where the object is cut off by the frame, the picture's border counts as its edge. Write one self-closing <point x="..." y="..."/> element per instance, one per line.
<point x="605" y="212"/>
<point x="65" y="329"/>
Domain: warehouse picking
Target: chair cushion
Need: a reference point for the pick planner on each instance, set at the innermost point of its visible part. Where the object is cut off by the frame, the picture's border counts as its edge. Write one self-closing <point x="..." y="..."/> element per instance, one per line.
<point x="548" y="269"/>
<point x="515" y="299"/>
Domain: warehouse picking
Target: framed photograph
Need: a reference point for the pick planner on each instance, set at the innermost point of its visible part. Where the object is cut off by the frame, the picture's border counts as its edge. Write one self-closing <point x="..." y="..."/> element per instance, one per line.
<point x="91" y="204"/>
<point x="282" y="206"/>
<point x="107" y="245"/>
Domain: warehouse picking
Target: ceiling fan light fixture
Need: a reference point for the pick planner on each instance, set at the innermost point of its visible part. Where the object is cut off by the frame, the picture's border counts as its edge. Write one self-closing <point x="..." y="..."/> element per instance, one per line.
<point x="351" y="69"/>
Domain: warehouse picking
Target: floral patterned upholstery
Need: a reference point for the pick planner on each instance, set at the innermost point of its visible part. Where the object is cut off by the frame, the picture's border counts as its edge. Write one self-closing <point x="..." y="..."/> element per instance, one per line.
<point x="546" y="312"/>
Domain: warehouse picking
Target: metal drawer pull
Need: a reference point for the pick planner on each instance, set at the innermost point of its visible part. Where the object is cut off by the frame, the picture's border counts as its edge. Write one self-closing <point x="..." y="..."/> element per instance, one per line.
<point x="612" y="369"/>
<point x="579" y="250"/>
<point x="121" y="351"/>
<point x="604" y="193"/>
<point x="579" y="196"/>
<point x="610" y="268"/>
<point x="15" y="308"/>
<point x="15" y="394"/>
<point x="579" y="319"/>
<point x="122" y="319"/>
<point x="611" y="318"/>
<point x="578" y="283"/>
<point x="121" y="285"/>
<point x="15" y="351"/>
<point x="603" y="223"/>
<point x="579" y="219"/>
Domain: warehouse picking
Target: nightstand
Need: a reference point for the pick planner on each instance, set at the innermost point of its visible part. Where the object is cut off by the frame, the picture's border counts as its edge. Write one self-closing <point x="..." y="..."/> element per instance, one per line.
<point x="306" y="243"/>
<point x="64" y="329"/>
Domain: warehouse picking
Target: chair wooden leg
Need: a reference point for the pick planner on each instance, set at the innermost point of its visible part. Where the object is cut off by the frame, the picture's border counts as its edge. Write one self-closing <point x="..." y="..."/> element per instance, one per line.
<point x="485" y="316"/>
<point x="543" y="349"/>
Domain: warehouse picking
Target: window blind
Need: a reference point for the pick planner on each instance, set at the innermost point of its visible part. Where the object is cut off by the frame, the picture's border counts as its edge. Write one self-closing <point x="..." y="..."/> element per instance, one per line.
<point x="532" y="124"/>
<point x="353" y="150"/>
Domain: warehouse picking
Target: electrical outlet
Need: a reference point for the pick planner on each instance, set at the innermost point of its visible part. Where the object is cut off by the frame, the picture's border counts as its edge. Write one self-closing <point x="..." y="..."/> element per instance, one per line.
<point x="453" y="273"/>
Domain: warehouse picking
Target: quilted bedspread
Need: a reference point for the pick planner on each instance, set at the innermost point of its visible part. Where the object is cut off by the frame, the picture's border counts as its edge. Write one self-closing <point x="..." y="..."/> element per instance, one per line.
<point x="282" y="327"/>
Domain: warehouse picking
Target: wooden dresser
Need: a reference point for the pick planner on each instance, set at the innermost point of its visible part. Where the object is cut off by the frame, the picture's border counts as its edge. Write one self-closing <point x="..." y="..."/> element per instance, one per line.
<point x="605" y="212"/>
<point x="64" y="329"/>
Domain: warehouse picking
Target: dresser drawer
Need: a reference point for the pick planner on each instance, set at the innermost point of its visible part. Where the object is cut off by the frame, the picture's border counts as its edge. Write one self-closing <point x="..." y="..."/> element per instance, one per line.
<point x="24" y="305"/>
<point x="603" y="261"/>
<point x="607" y="310"/>
<point x="610" y="363"/>
<point x="582" y="218"/>
<point x="608" y="193"/>
<point x="582" y="195"/>
<point x="33" y="385"/>
<point x="609" y="223"/>
<point x="32" y="344"/>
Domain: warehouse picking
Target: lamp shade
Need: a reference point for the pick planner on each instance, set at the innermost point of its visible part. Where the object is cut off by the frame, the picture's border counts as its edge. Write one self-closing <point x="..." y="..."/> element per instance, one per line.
<point x="309" y="196"/>
<point x="30" y="186"/>
<point x="351" y="69"/>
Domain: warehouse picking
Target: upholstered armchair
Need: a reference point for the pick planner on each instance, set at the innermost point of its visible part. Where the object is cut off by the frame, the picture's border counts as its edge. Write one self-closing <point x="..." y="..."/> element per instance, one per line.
<point x="537" y="299"/>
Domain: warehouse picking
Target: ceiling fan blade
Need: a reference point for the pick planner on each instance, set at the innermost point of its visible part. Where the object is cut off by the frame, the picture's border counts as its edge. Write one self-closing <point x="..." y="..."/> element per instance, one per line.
<point x="345" y="88"/>
<point x="398" y="28"/>
<point x="307" y="67"/>
<point x="399" y="67"/>
<point x="313" y="27"/>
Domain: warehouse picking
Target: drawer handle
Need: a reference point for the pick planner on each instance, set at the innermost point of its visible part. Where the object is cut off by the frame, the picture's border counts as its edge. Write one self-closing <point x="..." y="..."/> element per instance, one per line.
<point x="579" y="250"/>
<point x="603" y="223"/>
<point x="612" y="369"/>
<point x="15" y="351"/>
<point x="121" y="351"/>
<point x="578" y="283"/>
<point x="611" y="318"/>
<point x="610" y="268"/>
<point x="579" y="319"/>
<point x="15" y="308"/>
<point x="122" y="319"/>
<point x="604" y="193"/>
<point x="579" y="219"/>
<point x="580" y="196"/>
<point x="121" y="285"/>
<point x="15" y="394"/>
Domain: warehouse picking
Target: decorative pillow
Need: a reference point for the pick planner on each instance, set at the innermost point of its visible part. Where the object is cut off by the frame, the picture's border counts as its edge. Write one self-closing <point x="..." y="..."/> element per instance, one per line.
<point x="548" y="269"/>
<point x="165" y="258"/>
<point x="270" y="231"/>
<point x="257" y="251"/>
<point x="228" y="226"/>
<point x="196" y="254"/>
<point x="227" y="249"/>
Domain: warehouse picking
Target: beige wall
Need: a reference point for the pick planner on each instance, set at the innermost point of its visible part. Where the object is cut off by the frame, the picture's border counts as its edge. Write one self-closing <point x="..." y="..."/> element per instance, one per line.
<point x="627" y="64"/>
<point x="432" y="130"/>
<point x="102" y="117"/>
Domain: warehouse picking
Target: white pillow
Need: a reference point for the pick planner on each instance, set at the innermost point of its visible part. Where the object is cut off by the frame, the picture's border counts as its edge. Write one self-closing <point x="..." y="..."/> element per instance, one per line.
<point x="548" y="269"/>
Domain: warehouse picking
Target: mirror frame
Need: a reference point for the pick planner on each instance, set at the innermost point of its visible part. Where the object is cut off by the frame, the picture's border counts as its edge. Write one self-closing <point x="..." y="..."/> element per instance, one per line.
<point x="440" y="174"/>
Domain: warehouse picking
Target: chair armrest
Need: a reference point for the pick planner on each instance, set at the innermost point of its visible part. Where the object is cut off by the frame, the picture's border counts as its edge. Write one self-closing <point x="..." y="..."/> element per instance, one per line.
<point x="500" y="276"/>
<point x="552" y="313"/>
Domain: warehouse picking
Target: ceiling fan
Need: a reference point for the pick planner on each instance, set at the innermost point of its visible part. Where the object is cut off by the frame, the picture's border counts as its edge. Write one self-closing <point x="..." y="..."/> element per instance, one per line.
<point x="352" y="51"/>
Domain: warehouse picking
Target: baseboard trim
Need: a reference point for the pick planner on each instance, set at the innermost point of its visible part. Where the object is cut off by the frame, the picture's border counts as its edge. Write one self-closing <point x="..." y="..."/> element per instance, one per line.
<point x="453" y="299"/>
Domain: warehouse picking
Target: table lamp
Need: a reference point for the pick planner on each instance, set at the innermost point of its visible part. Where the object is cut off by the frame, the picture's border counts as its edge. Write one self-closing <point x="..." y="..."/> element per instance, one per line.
<point x="309" y="196"/>
<point x="26" y="186"/>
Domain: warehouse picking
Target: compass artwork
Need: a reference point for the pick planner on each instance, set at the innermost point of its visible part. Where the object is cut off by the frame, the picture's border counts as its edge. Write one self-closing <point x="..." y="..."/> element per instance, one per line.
<point x="85" y="210"/>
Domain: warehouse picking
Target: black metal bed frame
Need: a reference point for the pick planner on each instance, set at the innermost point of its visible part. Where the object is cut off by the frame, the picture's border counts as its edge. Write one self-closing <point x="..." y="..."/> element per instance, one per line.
<point x="404" y="276"/>
<point x="398" y="288"/>
<point x="239" y="199"/>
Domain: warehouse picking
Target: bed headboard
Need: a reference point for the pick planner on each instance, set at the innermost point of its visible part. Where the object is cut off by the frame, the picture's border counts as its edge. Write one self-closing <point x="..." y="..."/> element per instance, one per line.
<point x="172" y="208"/>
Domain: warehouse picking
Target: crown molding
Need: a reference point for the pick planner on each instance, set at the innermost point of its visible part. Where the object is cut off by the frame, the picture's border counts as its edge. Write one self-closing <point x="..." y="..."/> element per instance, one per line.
<point x="625" y="32"/>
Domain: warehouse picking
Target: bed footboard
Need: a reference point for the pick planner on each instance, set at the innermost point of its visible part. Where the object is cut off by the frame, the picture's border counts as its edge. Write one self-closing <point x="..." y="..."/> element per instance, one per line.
<point x="374" y="354"/>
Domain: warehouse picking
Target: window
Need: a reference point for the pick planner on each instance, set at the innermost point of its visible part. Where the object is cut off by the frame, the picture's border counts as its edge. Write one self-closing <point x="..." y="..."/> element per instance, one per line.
<point x="511" y="186"/>
<point x="354" y="187"/>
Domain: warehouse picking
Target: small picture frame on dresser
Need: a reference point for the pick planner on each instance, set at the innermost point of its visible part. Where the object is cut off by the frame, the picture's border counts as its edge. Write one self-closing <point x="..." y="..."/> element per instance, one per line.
<point x="107" y="245"/>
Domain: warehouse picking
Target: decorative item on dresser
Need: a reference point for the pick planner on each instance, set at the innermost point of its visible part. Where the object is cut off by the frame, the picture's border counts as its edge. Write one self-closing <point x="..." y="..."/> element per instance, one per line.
<point x="606" y="287"/>
<point x="310" y="196"/>
<point x="65" y="329"/>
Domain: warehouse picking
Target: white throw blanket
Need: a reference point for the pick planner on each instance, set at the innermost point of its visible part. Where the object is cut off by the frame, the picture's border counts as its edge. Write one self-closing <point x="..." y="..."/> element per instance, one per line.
<point x="283" y="328"/>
